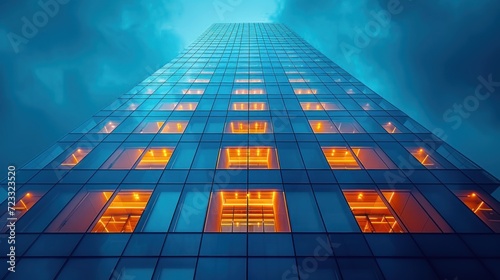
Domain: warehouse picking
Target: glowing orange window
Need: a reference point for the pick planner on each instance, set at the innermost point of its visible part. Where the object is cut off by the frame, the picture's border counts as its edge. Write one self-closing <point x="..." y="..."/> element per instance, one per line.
<point x="193" y="91"/>
<point x="340" y="158"/>
<point x="248" y="106"/>
<point x="424" y="158"/>
<point x="123" y="213"/>
<point x="305" y="91"/>
<point x="322" y="126"/>
<point x="253" y="211"/>
<point x="251" y="91"/>
<point x="390" y="127"/>
<point x="487" y="214"/>
<point x="186" y="106"/>
<point x="166" y="106"/>
<point x="75" y="157"/>
<point x="155" y="158"/>
<point x="175" y="127"/>
<point x="25" y="203"/>
<point x="149" y="127"/>
<point x="261" y="157"/>
<point x="311" y="106"/>
<point x="315" y="106"/>
<point x="108" y="127"/>
<point x="252" y="127"/>
<point x="371" y="213"/>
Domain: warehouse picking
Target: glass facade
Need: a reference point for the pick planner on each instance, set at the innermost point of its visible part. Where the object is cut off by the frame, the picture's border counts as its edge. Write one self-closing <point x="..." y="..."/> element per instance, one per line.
<point x="253" y="156"/>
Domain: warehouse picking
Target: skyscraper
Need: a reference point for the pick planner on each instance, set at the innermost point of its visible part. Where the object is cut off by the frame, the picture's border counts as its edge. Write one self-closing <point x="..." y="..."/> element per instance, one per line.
<point x="252" y="156"/>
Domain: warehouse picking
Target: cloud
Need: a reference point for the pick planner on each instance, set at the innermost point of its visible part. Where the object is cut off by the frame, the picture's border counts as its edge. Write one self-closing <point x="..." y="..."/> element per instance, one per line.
<point x="426" y="59"/>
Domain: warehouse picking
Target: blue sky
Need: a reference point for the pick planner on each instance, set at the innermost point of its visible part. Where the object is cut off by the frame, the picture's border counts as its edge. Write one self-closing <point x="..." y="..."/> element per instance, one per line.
<point x="425" y="58"/>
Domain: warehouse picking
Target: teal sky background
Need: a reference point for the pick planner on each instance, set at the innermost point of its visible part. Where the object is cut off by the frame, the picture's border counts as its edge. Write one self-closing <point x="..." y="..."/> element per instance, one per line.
<point x="424" y="59"/>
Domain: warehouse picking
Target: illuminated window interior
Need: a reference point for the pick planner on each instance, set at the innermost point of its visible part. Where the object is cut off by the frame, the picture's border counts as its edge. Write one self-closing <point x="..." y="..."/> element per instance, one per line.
<point x="487" y="214"/>
<point x="193" y="91"/>
<point x="248" y="157"/>
<point x="123" y="212"/>
<point x="390" y="127"/>
<point x="371" y="213"/>
<point x="251" y="91"/>
<point x="166" y="106"/>
<point x="248" y="81"/>
<point x="186" y="106"/>
<point x="108" y="127"/>
<point x="175" y="127"/>
<point x="149" y="127"/>
<point x="252" y="127"/>
<point x="424" y="158"/>
<point x="253" y="211"/>
<point x="155" y="158"/>
<point x="322" y="126"/>
<point x="75" y="157"/>
<point x="248" y="106"/>
<point x="315" y="106"/>
<point x="25" y="203"/>
<point x="340" y="158"/>
<point x="305" y="91"/>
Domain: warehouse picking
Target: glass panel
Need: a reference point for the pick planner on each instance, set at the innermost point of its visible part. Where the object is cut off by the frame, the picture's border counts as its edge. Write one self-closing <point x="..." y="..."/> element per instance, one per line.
<point x="390" y="127"/>
<point x="371" y="159"/>
<point x="166" y="106"/>
<point x="123" y="158"/>
<point x="303" y="210"/>
<point x="175" y="268"/>
<point x="424" y="157"/>
<point x="248" y="106"/>
<point x="149" y="126"/>
<point x="340" y="158"/>
<point x="186" y="106"/>
<point x="245" y="127"/>
<point x="175" y="127"/>
<point x="371" y="213"/>
<point x="305" y="90"/>
<point x="322" y="126"/>
<point x="348" y="126"/>
<point x="155" y="158"/>
<point x="251" y="91"/>
<point x="410" y="212"/>
<point x="253" y="211"/>
<point x="193" y="91"/>
<point x="163" y="211"/>
<point x="107" y="126"/>
<point x="479" y="207"/>
<point x="26" y="202"/>
<point x="81" y="212"/>
<point x="191" y="212"/>
<point x="75" y="157"/>
<point x="258" y="157"/>
<point x="124" y="212"/>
